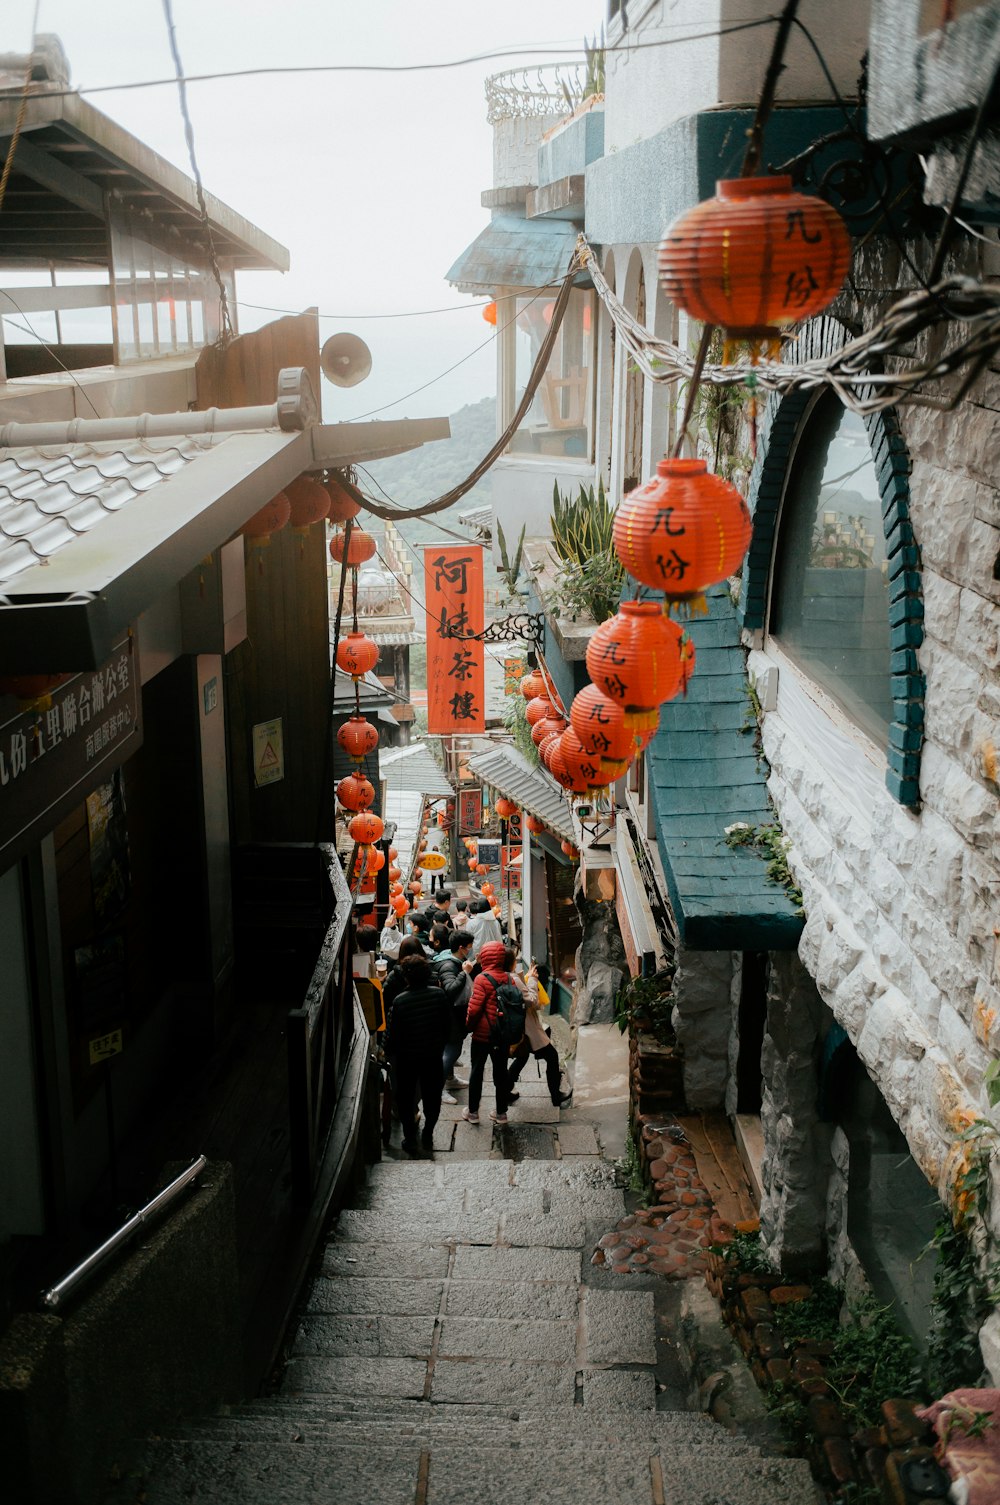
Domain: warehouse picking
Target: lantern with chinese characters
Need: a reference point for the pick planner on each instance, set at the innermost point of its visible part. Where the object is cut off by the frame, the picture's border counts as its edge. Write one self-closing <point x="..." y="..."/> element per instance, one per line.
<point x="366" y="828"/>
<point x="355" y="792"/>
<point x="354" y="550"/>
<point x="684" y="530"/>
<point x="535" y="826"/>
<point x="756" y="258"/>
<point x="309" y="501"/>
<point x="343" y="507"/>
<point x="635" y="659"/>
<point x="599" y="722"/>
<point x="505" y="808"/>
<point x="356" y="655"/>
<point x="533" y="685"/>
<point x="556" y="762"/>
<point x="536" y="710"/>
<point x="271" y="518"/>
<point x="357" y="737"/>
<point x="583" y="768"/>
<point x="545" y="728"/>
<point x="400" y="905"/>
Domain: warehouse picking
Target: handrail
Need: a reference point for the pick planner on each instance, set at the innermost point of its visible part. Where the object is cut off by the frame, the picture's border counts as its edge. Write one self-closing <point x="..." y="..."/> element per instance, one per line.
<point x="50" y="1300"/>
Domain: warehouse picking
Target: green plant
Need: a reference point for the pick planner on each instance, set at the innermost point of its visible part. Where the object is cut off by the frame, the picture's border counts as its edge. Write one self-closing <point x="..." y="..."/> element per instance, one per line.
<point x="967" y="1273"/>
<point x="630" y="1166"/>
<point x="721" y="411"/>
<point x="647" y="1000"/>
<point x="746" y="1252"/>
<point x="510" y="568"/>
<point x="593" y="83"/>
<point x="590" y="574"/>
<point x="773" y="844"/>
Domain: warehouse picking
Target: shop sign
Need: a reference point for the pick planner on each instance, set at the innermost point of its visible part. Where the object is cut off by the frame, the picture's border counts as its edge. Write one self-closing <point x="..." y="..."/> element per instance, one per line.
<point x="53" y="754"/>
<point x="510" y="870"/>
<point x="453" y="591"/>
<point x="105" y="1046"/>
<point x="470" y="812"/>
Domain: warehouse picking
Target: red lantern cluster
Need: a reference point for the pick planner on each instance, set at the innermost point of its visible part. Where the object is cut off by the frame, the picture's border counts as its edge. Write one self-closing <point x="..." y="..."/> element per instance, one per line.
<point x="684" y="530"/>
<point x="271" y="518"/>
<point x="756" y="258"/>
<point x="357" y="654"/>
<point x="635" y="658"/>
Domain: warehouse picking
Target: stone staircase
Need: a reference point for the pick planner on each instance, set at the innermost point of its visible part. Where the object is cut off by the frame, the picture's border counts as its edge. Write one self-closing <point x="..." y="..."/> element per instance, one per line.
<point x="457" y="1346"/>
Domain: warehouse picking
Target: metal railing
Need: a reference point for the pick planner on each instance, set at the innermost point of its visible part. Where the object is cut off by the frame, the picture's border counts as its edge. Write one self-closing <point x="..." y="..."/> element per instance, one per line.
<point x="52" y="1298"/>
<point x="319" y="1040"/>
<point x="527" y="93"/>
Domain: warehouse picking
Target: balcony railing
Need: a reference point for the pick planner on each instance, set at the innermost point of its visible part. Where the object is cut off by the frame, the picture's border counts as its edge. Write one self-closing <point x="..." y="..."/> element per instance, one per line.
<point x="528" y="93"/>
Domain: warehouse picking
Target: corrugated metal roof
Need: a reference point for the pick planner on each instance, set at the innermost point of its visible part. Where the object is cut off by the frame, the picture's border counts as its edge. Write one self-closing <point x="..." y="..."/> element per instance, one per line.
<point x="514" y="252"/>
<point x="509" y="771"/>
<point x="705" y="775"/>
<point x="415" y="768"/>
<point x="405" y="807"/>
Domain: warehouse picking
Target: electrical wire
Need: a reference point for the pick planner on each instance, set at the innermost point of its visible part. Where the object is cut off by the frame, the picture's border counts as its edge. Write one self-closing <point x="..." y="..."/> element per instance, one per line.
<point x="409" y="313"/>
<point x="26" y="328"/>
<point x="462" y="538"/>
<point x="433" y="381"/>
<point x="439" y="66"/>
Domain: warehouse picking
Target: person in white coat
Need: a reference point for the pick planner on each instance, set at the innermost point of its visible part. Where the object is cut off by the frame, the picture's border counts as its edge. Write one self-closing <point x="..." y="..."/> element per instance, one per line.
<point x="482" y="926"/>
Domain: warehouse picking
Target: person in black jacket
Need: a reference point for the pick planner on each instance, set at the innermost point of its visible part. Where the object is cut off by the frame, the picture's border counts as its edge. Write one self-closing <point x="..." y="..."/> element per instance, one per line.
<point x="453" y="969"/>
<point x="419" y="1025"/>
<point x="394" y="984"/>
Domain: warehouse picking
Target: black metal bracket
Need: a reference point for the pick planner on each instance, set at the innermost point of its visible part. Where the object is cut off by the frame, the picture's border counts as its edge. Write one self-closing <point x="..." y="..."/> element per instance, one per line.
<point x="528" y="626"/>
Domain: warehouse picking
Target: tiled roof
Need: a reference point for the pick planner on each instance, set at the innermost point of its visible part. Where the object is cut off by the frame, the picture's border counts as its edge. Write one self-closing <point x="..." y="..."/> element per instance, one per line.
<point x="705" y="775"/>
<point x="52" y="495"/>
<point x="509" y="771"/>
<point x="414" y="768"/>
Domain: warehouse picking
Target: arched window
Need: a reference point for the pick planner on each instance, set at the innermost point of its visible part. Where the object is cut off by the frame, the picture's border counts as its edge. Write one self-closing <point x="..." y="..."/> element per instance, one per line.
<point x="830" y="586"/>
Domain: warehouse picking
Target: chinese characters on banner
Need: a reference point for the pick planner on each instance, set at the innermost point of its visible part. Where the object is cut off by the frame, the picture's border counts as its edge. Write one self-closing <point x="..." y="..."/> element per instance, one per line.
<point x="453" y="591"/>
<point x="510" y="870"/>
<point x="470" y="811"/>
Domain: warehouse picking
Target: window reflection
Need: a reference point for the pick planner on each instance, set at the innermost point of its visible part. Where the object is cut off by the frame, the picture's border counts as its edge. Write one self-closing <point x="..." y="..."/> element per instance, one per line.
<point x="559" y="421"/>
<point x="830" y="591"/>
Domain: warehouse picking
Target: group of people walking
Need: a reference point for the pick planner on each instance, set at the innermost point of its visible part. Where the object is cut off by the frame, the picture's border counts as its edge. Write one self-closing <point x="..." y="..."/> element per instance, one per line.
<point x="449" y="975"/>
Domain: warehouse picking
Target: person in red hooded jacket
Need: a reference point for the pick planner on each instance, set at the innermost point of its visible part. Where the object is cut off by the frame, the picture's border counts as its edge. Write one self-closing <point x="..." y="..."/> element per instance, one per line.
<point x="496" y="962"/>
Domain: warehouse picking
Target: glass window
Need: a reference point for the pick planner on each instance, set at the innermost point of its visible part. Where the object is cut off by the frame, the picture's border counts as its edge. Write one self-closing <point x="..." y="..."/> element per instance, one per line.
<point x="560" y="420"/>
<point x="830" y="590"/>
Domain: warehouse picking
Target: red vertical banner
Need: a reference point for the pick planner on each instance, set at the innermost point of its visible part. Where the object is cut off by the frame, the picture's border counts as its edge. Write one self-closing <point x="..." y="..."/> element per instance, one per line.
<point x="470" y="811"/>
<point x="510" y="870"/>
<point x="453" y="591"/>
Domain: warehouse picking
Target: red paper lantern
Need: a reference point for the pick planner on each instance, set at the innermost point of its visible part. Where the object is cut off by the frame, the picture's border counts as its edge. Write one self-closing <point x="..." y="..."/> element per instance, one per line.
<point x="583" y="768"/>
<point x="358" y="548"/>
<point x="490" y="313"/>
<point x="395" y="873"/>
<point x="599" y="722"/>
<point x="545" y="747"/>
<point x="569" y="849"/>
<point x="366" y="828"/>
<point x="684" y="530"/>
<point x="506" y="808"/>
<point x="756" y="258"/>
<point x="356" y="792"/>
<point x="533" y="685"/>
<point x="271" y="518"/>
<point x="481" y="867"/>
<point x="356" y="654"/>
<point x="634" y="658"/>
<point x="309" y="501"/>
<point x="367" y="886"/>
<point x="556" y="763"/>
<point x="400" y="904"/>
<point x="535" y="826"/>
<point x="343" y="507"/>
<point x="536" y="710"/>
<point x="612" y="769"/>
<point x="357" y="737"/>
<point x="374" y="859"/>
<point x="416" y="887"/>
<point x="486" y="889"/>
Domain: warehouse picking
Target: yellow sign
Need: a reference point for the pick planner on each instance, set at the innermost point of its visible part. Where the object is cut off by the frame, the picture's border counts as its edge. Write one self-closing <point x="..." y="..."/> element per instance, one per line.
<point x="433" y="862"/>
<point x="268" y="752"/>
<point x="106" y="1046"/>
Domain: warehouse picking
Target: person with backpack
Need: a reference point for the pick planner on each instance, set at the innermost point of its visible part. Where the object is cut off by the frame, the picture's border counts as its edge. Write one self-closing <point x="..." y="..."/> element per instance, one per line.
<point x="418" y="1029"/>
<point x="537" y="1042"/>
<point x="496" y="1018"/>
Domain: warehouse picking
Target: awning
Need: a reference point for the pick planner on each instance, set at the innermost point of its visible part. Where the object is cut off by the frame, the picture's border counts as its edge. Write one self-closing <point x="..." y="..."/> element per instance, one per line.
<point x="414" y="768"/>
<point x="94" y="530"/>
<point x="509" y="771"/>
<point x="515" y="252"/>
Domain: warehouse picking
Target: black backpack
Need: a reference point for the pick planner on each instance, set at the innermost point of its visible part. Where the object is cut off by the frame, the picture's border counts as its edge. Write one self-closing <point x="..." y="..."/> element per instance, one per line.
<point x="508" y="1027"/>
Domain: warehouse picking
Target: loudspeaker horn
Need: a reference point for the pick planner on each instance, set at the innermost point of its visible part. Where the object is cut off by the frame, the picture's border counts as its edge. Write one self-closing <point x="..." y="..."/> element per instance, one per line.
<point x="345" y="360"/>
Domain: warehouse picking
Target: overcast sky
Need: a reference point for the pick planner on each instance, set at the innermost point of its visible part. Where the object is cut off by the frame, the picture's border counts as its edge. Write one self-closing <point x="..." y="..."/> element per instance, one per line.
<point x="371" y="180"/>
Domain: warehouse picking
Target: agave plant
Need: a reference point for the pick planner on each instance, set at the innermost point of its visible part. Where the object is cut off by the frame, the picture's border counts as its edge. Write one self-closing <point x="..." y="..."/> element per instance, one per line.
<point x="590" y="575"/>
<point x="510" y="567"/>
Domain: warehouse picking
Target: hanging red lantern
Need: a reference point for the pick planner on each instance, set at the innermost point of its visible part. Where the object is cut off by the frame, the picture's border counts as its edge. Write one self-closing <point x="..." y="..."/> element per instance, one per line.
<point x="395" y="873"/>
<point x="416" y="887"/>
<point x="634" y="658"/>
<point x="569" y="849"/>
<point x="395" y="887"/>
<point x="535" y="826"/>
<point x="357" y="737"/>
<point x="442" y="818"/>
<point x="490" y="313"/>
<point x="355" y="792"/>
<point x="644" y="737"/>
<point x="343" y="507"/>
<point x="612" y="769"/>
<point x="400" y="905"/>
<point x="756" y="258"/>
<point x="536" y="710"/>
<point x="532" y="685"/>
<point x="684" y="530"/>
<point x="481" y="867"/>
<point x="599" y="722"/>
<point x="546" y="747"/>
<point x="486" y="889"/>
<point x="31" y="688"/>
<point x="583" y="768"/>
<point x="357" y="655"/>
<point x="366" y="828"/>
<point x="505" y="808"/>
<point x="555" y="762"/>
<point x="374" y="859"/>
<point x="271" y="518"/>
<point x="545" y="728"/>
<point x="359" y="548"/>
<point x="309" y="501"/>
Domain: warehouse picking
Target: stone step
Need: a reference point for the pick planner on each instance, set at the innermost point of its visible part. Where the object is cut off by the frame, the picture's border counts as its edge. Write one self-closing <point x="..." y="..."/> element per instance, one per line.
<point x="185" y="1472"/>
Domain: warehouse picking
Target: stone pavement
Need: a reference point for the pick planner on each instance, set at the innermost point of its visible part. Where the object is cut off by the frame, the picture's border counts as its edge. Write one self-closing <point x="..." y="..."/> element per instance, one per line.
<point x="456" y="1346"/>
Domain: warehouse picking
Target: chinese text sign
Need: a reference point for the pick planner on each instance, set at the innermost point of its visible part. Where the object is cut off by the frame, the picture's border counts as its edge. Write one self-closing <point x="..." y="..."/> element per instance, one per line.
<point x="453" y="591"/>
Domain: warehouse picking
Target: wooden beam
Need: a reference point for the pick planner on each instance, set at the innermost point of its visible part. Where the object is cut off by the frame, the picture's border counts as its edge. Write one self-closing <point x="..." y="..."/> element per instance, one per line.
<point x="57" y="177"/>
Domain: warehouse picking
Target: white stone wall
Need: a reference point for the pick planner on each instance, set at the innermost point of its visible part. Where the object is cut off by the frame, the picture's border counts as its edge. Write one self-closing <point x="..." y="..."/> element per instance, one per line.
<point x="901" y="905"/>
